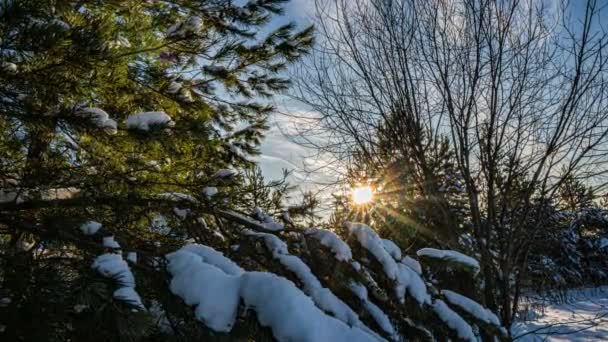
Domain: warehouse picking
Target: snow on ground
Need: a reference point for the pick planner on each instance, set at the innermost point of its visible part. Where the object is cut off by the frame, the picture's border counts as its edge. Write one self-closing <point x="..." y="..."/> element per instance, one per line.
<point x="583" y="318"/>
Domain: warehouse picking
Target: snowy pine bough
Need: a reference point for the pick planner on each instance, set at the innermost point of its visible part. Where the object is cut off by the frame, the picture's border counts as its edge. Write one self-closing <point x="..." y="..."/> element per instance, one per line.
<point x="305" y="285"/>
<point x="301" y="284"/>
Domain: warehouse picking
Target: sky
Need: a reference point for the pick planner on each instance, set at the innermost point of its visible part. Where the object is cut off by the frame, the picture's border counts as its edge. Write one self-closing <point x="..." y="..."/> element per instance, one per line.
<point x="278" y="151"/>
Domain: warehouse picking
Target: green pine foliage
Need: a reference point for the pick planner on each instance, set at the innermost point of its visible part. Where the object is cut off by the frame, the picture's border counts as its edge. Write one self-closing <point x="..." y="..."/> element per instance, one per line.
<point x="72" y="77"/>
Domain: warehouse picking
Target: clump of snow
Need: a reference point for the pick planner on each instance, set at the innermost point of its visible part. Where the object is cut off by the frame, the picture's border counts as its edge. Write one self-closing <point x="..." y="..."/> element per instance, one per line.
<point x="471" y="307"/>
<point x="181" y="213"/>
<point x="4" y="302"/>
<point x="452" y="256"/>
<point x="368" y="238"/>
<point x="192" y="24"/>
<point x="291" y="315"/>
<point x="160" y="317"/>
<point x="178" y="196"/>
<point x="268" y="222"/>
<point x="219" y="235"/>
<point x="7" y="196"/>
<point x="285" y="216"/>
<point x="215" y="258"/>
<point x="329" y="239"/>
<point x="381" y="319"/>
<point x="408" y="281"/>
<point x="90" y="227"/>
<point x="60" y="24"/>
<point x="224" y="173"/>
<point x="109" y="242"/>
<point x="100" y="118"/>
<point x="214" y="292"/>
<point x="174" y="87"/>
<point x="392" y="249"/>
<point x="377" y="314"/>
<point x="9" y="67"/>
<point x="323" y="297"/>
<point x="217" y="295"/>
<point x="78" y="308"/>
<point x="210" y="191"/>
<point x="132" y="257"/>
<point x="273" y="243"/>
<point x="143" y="121"/>
<point x="113" y="266"/>
<point x="358" y="289"/>
<point x="412" y="263"/>
<point x="154" y="165"/>
<point x="454" y="321"/>
<point x="119" y="42"/>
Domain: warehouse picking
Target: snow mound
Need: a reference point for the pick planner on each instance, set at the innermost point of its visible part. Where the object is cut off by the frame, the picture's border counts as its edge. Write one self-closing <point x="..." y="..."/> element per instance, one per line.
<point x="449" y="255"/>
<point x="113" y="266"/>
<point x="332" y="241"/>
<point x="279" y="304"/>
<point x="368" y="238"/>
<point x="581" y="318"/>
<point x="472" y="307"/>
<point x="392" y="249"/>
<point x="145" y="120"/>
<point x="454" y="321"/>
<point x="90" y="227"/>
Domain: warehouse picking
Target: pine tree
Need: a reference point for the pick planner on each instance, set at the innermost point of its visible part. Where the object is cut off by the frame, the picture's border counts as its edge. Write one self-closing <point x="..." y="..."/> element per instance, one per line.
<point x="122" y="114"/>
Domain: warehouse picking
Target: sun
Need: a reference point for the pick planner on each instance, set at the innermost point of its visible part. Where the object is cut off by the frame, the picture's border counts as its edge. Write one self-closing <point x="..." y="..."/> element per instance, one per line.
<point x="362" y="194"/>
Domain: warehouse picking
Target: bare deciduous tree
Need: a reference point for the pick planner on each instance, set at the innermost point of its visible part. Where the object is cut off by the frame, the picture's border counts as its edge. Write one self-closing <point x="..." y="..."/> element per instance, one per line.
<point x="517" y="86"/>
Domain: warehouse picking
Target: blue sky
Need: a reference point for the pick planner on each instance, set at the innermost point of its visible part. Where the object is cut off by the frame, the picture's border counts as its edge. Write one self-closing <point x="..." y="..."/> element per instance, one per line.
<point x="278" y="152"/>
